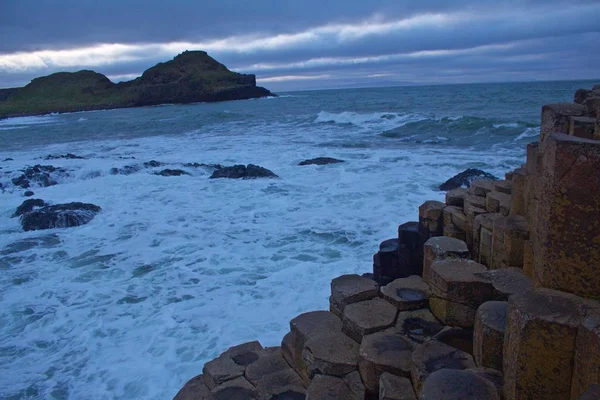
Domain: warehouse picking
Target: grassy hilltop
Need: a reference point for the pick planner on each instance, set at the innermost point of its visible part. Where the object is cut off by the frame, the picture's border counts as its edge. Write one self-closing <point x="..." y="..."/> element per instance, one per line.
<point x="192" y="76"/>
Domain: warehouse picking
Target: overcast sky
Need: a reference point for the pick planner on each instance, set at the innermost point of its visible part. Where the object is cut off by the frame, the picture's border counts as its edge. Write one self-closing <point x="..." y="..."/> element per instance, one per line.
<point x="305" y="44"/>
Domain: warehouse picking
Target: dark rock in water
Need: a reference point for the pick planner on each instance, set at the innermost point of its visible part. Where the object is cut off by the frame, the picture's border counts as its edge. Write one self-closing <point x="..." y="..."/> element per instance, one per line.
<point x="321" y="161"/>
<point x="171" y="172"/>
<point x="8" y="159"/>
<point x="126" y="170"/>
<point x="27" y="206"/>
<point x="28" y="193"/>
<point x="67" y="156"/>
<point x="243" y="172"/>
<point x="59" y="216"/>
<point x="465" y="178"/>
<point x="39" y="174"/>
<point x="153" y="164"/>
<point x="196" y="165"/>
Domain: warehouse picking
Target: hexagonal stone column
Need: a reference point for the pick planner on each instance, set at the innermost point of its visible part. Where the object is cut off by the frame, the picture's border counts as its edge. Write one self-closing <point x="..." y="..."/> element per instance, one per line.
<point x="272" y="376"/>
<point x="367" y="317"/>
<point x="441" y="248"/>
<point x="449" y="384"/>
<point x="488" y="338"/>
<point x="324" y="387"/>
<point x="238" y="388"/>
<point x="555" y="117"/>
<point x="430" y="219"/>
<point x="566" y="243"/>
<point x="406" y="294"/>
<point x="539" y="344"/>
<point x="348" y="289"/>
<point x="587" y="355"/>
<point x="456" y="197"/>
<point x="380" y="352"/>
<point x="459" y="338"/>
<point x="433" y="356"/>
<point x="509" y="236"/>
<point x="392" y="387"/>
<point x="418" y="326"/>
<point x="332" y="354"/>
<point x="194" y="389"/>
<point x="231" y="364"/>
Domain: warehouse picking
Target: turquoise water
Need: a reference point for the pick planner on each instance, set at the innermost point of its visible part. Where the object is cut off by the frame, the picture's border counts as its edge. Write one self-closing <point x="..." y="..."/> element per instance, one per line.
<point x="176" y="269"/>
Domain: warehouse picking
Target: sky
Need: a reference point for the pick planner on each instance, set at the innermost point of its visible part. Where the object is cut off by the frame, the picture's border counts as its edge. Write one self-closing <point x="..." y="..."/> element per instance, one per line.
<point x="308" y="44"/>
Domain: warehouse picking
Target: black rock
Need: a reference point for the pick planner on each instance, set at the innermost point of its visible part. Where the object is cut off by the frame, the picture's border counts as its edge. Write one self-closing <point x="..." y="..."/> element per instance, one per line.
<point x="171" y="172"/>
<point x="28" y="193"/>
<point x="465" y="179"/>
<point x="153" y="164"/>
<point x="59" y="216"/>
<point x="27" y="206"/>
<point x="39" y="174"/>
<point x="197" y="165"/>
<point x="8" y="159"/>
<point x="126" y="170"/>
<point x="68" y="156"/>
<point x="243" y="172"/>
<point x="321" y="161"/>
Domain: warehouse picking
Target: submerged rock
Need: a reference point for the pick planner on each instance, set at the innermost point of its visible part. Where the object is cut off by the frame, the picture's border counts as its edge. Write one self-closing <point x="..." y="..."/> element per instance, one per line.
<point x="27" y="206"/>
<point x="153" y="164"/>
<point x="465" y="178"/>
<point x="321" y="161"/>
<point x="68" y="156"/>
<point x="39" y="174"/>
<point x="197" y="165"/>
<point x="171" y="172"/>
<point x="27" y="193"/>
<point x="126" y="170"/>
<point x="8" y="159"/>
<point x="243" y="172"/>
<point x="59" y="216"/>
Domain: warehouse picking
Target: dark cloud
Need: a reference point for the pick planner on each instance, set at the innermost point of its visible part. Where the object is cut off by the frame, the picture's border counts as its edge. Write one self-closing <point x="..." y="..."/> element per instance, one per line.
<point x="343" y="42"/>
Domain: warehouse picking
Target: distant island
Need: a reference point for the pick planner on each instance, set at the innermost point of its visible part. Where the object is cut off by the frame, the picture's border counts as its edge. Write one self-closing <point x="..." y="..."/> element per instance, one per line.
<point x="190" y="77"/>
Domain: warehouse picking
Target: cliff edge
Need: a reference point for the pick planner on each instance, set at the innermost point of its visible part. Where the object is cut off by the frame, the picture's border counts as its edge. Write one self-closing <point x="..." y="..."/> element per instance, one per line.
<point x="192" y="76"/>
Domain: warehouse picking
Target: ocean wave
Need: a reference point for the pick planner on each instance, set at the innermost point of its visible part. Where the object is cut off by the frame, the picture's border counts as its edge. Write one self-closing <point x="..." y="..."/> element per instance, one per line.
<point x="377" y="119"/>
<point x="528" y="133"/>
<point x="35" y="120"/>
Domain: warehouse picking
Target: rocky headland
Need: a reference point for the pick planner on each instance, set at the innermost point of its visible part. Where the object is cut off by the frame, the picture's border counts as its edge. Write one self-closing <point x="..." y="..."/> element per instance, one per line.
<point x="192" y="76"/>
<point x="493" y="294"/>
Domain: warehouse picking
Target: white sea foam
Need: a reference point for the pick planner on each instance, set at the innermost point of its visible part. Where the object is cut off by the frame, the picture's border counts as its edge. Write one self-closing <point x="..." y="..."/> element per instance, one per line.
<point x="507" y="125"/>
<point x="528" y="133"/>
<point x="176" y="269"/>
<point x="20" y="121"/>
<point x="379" y="120"/>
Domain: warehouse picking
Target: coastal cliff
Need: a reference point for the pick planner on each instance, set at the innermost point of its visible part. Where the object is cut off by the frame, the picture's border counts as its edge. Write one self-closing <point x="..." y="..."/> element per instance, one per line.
<point x="492" y="294"/>
<point x="192" y="76"/>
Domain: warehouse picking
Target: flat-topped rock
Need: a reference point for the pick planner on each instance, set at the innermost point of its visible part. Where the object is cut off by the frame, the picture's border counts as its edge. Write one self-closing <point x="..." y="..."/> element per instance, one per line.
<point x="456" y="197"/>
<point x="539" y="344"/>
<point x="452" y="313"/>
<point x="452" y="384"/>
<point x="488" y="338"/>
<point x="381" y="352"/>
<point x="455" y="216"/>
<point x="555" y="117"/>
<point x="430" y="219"/>
<point x="409" y="293"/>
<point x="472" y="200"/>
<point x="324" y="387"/>
<point x="282" y="384"/>
<point x="433" y="356"/>
<point x="194" y="389"/>
<point x="269" y="361"/>
<point x="332" y="354"/>
<point x="348" y="289"/>
<point x="507" y="281"/>
<point x="235" y="389"/>
<point x="418" y="326"/>
<point x="481" y="187"/>
<point x="497" y="202"/>
<point x="392" y="387"/>
<point x="367" y="317"/>
<point x="460" y="281"/>
<point x="321" y="161"/>
<point x="459" y="338"/>
<point x="441" y="248"/>
<point x="503" y="186"/>
<point x="231" y="364"/>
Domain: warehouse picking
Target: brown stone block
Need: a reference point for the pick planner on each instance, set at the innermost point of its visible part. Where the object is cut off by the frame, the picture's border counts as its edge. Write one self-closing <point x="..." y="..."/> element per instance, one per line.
<point x="280" y="384"/>
<point x="593" y="105"/>
<point x="586" y="370"/>
<point x="472" y="211"/>
<point x="451" y="231"/>
<point x="430" y="219"/>
<point x="459" y="338"/>
<point x="528" y="258"/>
<point x="433" y="356"/>
<point x="566" y="232"/>
<point x="460" y="281"/>
<point x="348" y="289"/>
<point x="406" y="294"/>
<point x="492" y="201"/>
<point x="194" y="389"/>
<point x="508" y="176"/>
<point x="392" y="387"/>
<point x="355" y="383"/>
<point x="455" y="215"/>
<point x="503" y="186"/>
<point x="488" y="338"/>
<point x="367" y="317"/>
<point x="507" y="281"/>
<point x="508" y="241"/>
<point x="472" y="200"/>
<point x="555" y="117"/>
<point x="324" y="387"/>
<point x="582" y="127"/>
<point x="231" y="364"/>
<point x="330" y="354"/>
<point x="539" y="344"/>
<point x="485" y="247"/>
<point x="481" y="187"/>
<point x="442" y="248"/>
<point x="449" y="384"/>
<point x="452" y="313"/>
<point x="381" y="352"/>
<point x="418" y="326"/>
<point x="456" y="197"/>
<point x="238" y="388"/>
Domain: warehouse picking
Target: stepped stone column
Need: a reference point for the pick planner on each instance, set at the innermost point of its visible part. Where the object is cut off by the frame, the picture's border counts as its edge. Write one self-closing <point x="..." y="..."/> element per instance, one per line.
<point x="555" y="117"/>
<point x="566" y="232"/>
<point x="488" y="338"/>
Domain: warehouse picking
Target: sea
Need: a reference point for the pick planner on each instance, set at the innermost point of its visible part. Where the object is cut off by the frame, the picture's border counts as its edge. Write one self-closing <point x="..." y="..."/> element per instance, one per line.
<point x="174" y="270"/>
